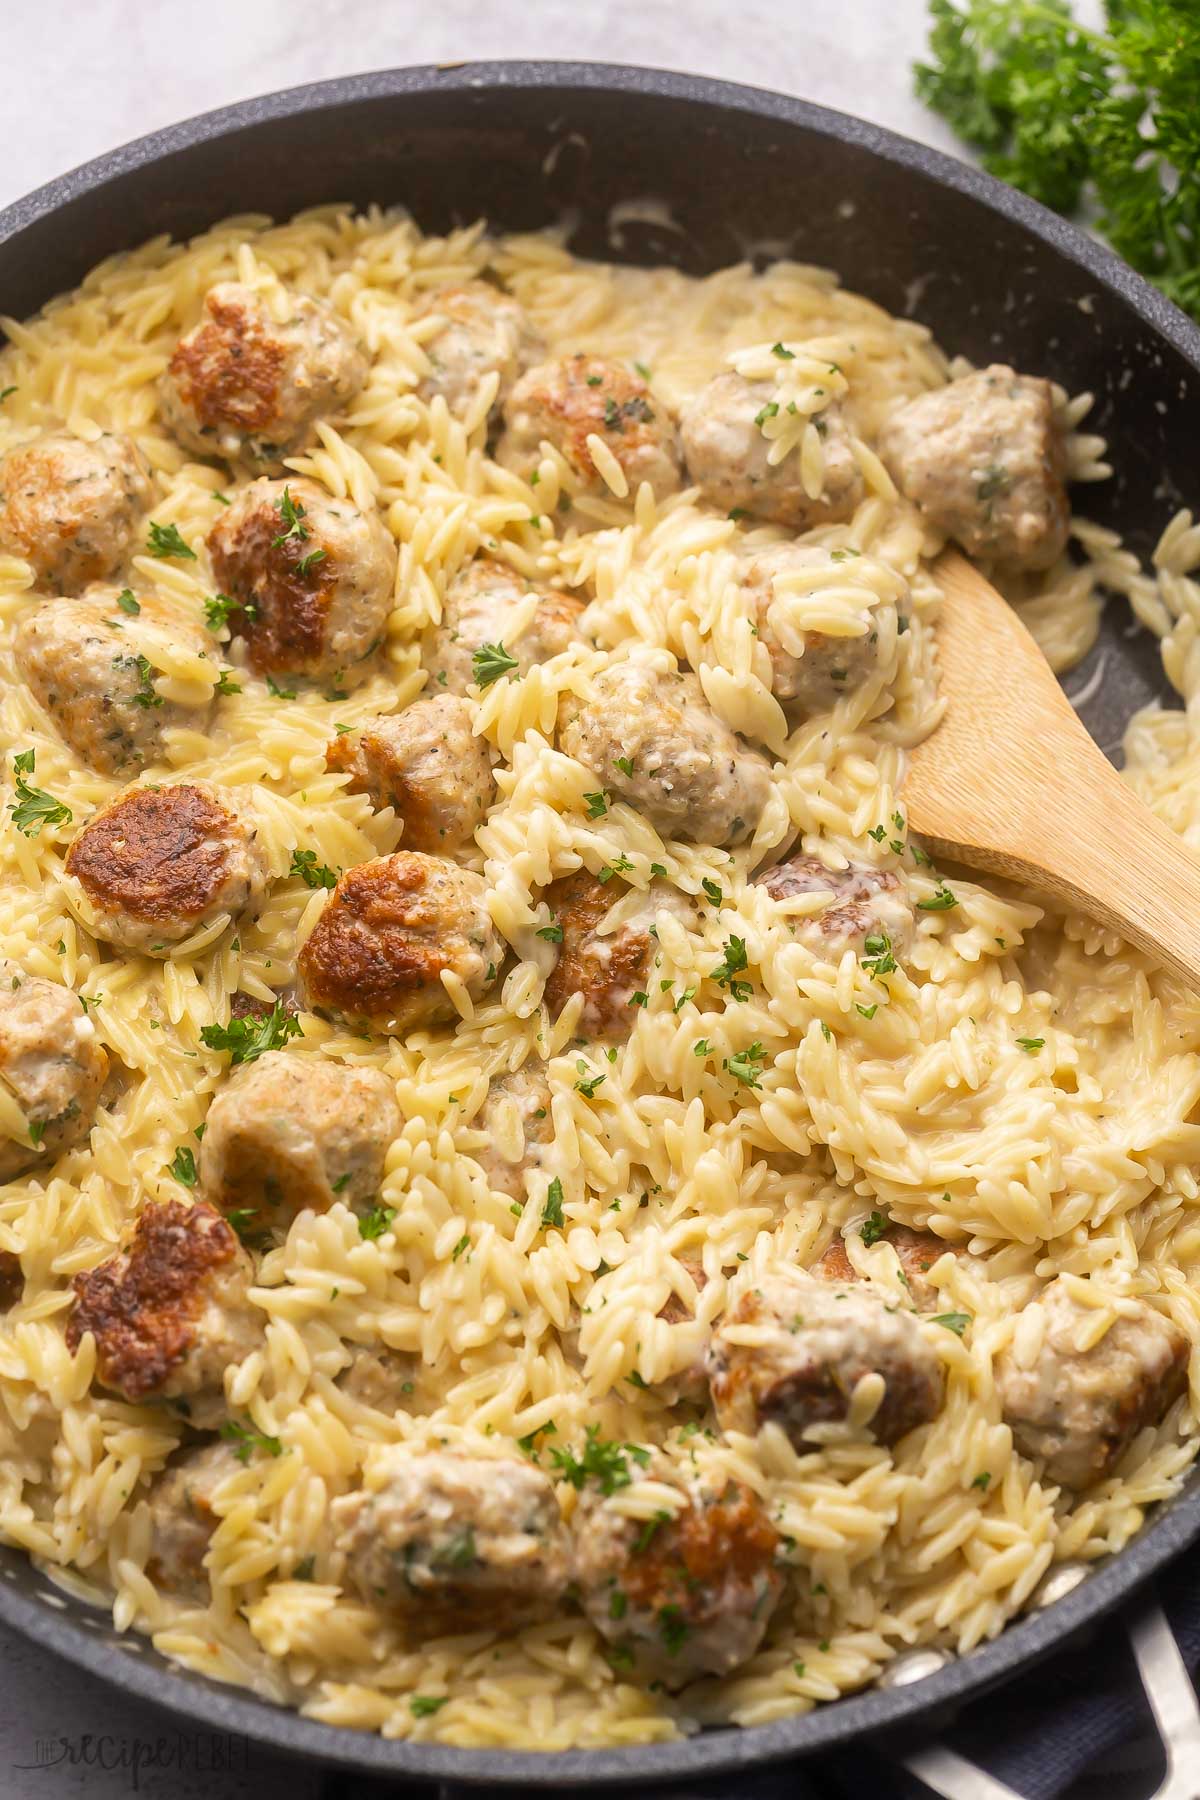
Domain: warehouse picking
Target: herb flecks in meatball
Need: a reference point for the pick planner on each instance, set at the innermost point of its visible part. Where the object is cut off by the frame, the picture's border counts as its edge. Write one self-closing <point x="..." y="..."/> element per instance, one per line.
<point x="984" y="460"/>
<point x="483" y="331"/>
<point x="391" y="929"/>
<point x="579" y="398"/>
<point x="427" y="763"/>
<point x="246" y="386"/>
<point x="868" y="910"/>
<point x="289" y="1132"/>
<point x="171" y="1313"/>
<point x="313" y="577"/>
<point x="455" y="1543"/>
<point x="51" y="1065"/>
<point x="162" y="862"/>
<point x="70" y="508"/>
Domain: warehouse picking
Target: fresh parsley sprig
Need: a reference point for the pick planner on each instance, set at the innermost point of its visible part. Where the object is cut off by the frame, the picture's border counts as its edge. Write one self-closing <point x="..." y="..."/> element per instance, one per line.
<point x="249" y="1038"/>
<point x="33" y="807"/>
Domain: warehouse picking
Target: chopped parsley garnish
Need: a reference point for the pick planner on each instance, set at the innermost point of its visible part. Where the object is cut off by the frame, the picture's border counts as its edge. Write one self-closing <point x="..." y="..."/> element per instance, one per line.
<point x="877" y="959"/>
<point x="423" y="1706"/>
<point x="606" y="1463"/>
<point x="312" y="873"/>
<point x="5" y="392"/>
<point x="982" y="1481"/>
<point x="145" y="695"/>
<point x="464" y="1243"/>
<point x="292" y="514"/>
<point x="622" y="866"/>
<point x="247" y="1039"/>
<point x="747" y="1065"/>
<point x="552" y="1211"/>
<point x="597" y="805"/>
<point x="310" y="561"/>
<point x="241" y="1220"/>
<point x="127" y="603"/>
<point x="165" y="540"/>
<point x="490" y="662"/>
<point x="217" y="610"/>
<point x="304" y="1570"/>
<point x="183" y="1168"/>
<point x="37" y="1130"/>
<point x="625" y="764"/>
<point x="995" y="481"/>
<point x="784" y="354"/>
<point x="942" y="901"/>
<point x="768" y="412"/>
<point x="1029" y="1045"/>
<point x="373" y="1224"/>
<point x="955" y="1322"/>
<point x="874" y="1228"/>
<point x="587" y="1084"/>
<point x="734" y="962"/>
<point x="868" y="1012"/>
<point x="672" y="1628"/>
<point x="618" y="1604"/>
<point x="279" y="693"/>
<point x="552" y="934"/>
<point x="712" y="892"/>
<point x="247" y="1439"/>
<point x="33" y="807"/>
<point x="226" y="683"/>
<point x="825" y="1032"/>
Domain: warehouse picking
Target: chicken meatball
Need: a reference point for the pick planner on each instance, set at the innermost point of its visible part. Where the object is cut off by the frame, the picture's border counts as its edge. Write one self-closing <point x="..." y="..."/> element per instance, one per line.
<point x="171" y="1313"/>
<point x="313" y="578"/>
<point x="453" y="1543"/>
<point x="429" y="765"/>
<point x="567" y="402"/>
<point x="12" y="1279"/>
<point x="246" y="386"/>
<point x="681" y="1596"/>
<point x="160" y="863"/>
<point x="793" y="1350"/>
<point x="85" y="662"/>
<point x="984" y="460"/>
<point x="916" y="1252"/>
<point x="812" y="675"/>
<point x="182" y="1519"/>
<point x="483" y="329"/>
<point x="516" y="1117"/>
<point x="51" y="1065"/>
<point x="607" y="968"/>
<point x="869" y="911"/>
<point x="727" y="458"/>
<point x="69" y="508"/>
<point x="1078" y="1410"/>
<point x="289" y="1132"/>
<point x="381" y="1378"/>
<point x="653" y="739"/>
<point x="391" y="930"/>
<point x="478" y="612"/>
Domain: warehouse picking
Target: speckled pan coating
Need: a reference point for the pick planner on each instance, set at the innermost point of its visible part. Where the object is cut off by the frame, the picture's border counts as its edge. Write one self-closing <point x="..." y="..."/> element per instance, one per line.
<point x="741" y="172"/>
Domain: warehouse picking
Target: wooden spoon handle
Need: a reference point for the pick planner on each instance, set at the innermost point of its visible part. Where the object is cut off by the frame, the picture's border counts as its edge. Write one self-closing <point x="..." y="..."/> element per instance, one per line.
<point x="1010" y="782"/>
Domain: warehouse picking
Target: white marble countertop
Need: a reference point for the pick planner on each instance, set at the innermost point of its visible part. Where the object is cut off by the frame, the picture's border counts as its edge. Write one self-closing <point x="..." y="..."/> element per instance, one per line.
<point x="122" y="68"/>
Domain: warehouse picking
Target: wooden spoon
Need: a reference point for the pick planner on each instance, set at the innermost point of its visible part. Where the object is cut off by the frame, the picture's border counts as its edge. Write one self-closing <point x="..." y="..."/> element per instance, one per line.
<point x="1010" y="781"/>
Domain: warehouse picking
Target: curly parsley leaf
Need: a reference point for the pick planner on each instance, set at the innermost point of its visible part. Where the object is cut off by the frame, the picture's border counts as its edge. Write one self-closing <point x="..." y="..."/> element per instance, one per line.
<point x="33" y="807"/>
<point x="552" y="1211"/>
<point x="490" y="662"/>
<point x="312" y="873"/>
<point x="249" y="1038"/>
<point x="606" y="1463"/>
<point x="183" y="1166"/>
<point x="292" y="515"/>
<point x="246" y="1439"/>
<point x="373" y="1224"/>
<point x="164" y="540"/>
<point x="874" y="1228"/>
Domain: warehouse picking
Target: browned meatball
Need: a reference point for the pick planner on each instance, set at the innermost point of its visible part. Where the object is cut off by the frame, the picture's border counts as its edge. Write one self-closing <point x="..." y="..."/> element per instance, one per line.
<point x="161" y="862"/>
<point x="1078" y="1410"/>
<point x="727" y="458"/>
<point x="829" y="667"/>
<point x="678" y="1597"/>
<point x="478" y="611"/>
<point x="652" y="738"/>
<point x="182" y="1520"/>
<point x="916" y="1252"/>
<point x="245" y="386"/>
<point x="85" y="661"/>
<point x="392" y="927"/>
<point x="577" y="397"/>
<point x="484" y="330"/>
<point x="985" y="461"/>
<point x="455" y="1543"/>
<point x="288" y="1132"/>
<point x="607" y="968"/>
<point x="313" y="577"/>
<point x="51" y="1064"/>
<point x="171" y="1313"/>
<point x="429" y="765"/>
<point x="868" y="912"/>
<point x="12" y="1279"/>
<point x="69" y="508"/>
<point x="810" y="1344"/>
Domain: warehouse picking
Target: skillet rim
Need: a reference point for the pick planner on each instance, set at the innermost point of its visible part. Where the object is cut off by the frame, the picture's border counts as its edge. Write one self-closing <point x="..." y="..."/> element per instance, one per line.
<point x="875" y="1710"/>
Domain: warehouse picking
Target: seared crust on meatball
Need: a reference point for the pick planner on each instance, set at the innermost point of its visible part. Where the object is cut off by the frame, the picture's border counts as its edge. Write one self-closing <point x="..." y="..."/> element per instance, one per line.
<point x="484" y="330"/>
<point x="478" y="610"/>
<point x="244" y="386"/>
<point x="161" y="862"/>
<point x="429" y="765"/>
<point x="288" y="1132"/>
<point x="170" y="1313"/>
<point x="85" y="662"/>
<point x="868" y="911"/>
<point x="69" y="508"/>
<point x="455" y="1543"/>
<point x="313" y="577"/>
<point x="727" y="458"/>
<point x="829" y="667"/>
<point x="576" y="397"/>
<point x="691" y="1597"/>
<point x="607" y="968"/>
<point x="390" y="930"/>
<point x="51" y="1064"/>
<point x="1078" y="1410"/>
<point x="182" y="1520"/>
<point x="916" y="1252"/>
<point x="691" y="776"/>
<point x="985" y="461"/>
<point x="517" y="1119"/>
<point x="793" y="1349"/>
